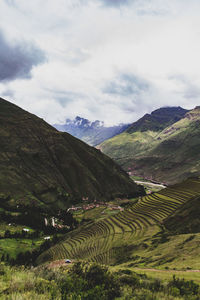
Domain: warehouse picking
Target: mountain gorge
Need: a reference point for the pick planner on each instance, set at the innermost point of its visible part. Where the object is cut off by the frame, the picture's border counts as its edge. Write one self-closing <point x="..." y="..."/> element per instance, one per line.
<point x="99" y="150"/>
<point x="44" y="172"/>
<point x="165" y="149"/>
<point x="49" y="170"/>
<point x="93" y="133"/>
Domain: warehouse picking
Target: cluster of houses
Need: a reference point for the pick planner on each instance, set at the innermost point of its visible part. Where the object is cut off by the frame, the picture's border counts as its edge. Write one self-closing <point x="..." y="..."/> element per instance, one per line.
<point x="54" y="221"/>
<point x="84" y="207"/>
<point x="94" y="205"/>
<point x="116" y="208"/>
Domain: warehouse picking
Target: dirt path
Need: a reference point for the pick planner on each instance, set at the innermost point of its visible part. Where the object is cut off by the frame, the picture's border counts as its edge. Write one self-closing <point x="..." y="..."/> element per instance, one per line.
<point x="59" y="263"/>
<point x="158" y="270"/>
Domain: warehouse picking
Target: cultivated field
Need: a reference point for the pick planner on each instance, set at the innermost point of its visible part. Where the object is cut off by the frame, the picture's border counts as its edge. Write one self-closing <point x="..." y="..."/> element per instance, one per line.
<point x="118" y="238"/>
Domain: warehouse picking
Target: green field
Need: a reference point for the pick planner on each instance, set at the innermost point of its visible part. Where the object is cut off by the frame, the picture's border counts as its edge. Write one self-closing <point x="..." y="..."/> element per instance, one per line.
<point x="137" y="235"/>
<point x="167" y="275"/>
<point x="15" y="246"/>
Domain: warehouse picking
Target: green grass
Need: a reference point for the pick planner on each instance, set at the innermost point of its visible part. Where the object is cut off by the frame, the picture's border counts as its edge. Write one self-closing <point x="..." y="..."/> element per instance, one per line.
<point x="139" y="229"/>
<point x="14" y="246"/>
<point x="12" y="228"/>
<point x="137" y="178"/>
<point x="168" y="274"/>
<point x="92" y="281"/>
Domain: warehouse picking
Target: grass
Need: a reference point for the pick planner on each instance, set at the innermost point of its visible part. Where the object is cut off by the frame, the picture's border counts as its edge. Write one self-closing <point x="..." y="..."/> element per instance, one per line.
<point x="173" y="253"/>
<point x="92" y="281"/>
<point x="13" y="228"/>
<point x="168" y="274"/>
<point x="20" y="283"/>
<point x="14" y="246"/>
<point x="139" y="228"/>
<point x="138" y="178"/>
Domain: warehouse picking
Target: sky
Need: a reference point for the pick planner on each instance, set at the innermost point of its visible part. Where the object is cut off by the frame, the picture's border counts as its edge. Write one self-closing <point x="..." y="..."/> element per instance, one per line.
<point x="112" y="60"/>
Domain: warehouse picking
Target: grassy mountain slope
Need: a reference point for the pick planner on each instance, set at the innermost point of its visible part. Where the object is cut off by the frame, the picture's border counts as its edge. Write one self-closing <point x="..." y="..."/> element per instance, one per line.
<point x="135" y="235"/>
<point x="185" y="219"/>
<point x="158" y="119"/>
<point x="46" y="169"/>
<point x="170" y="155"/>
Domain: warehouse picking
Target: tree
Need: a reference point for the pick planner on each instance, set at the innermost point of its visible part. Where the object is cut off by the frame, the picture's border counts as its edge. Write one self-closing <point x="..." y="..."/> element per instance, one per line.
<point x="7" y="234"/>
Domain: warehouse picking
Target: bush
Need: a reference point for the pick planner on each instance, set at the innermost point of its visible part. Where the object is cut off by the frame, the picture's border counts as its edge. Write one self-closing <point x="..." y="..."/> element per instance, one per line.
<point x="130" y="280"/>
<point x="185" y="287"/>
<point x="93" y="276"/>
<point x="156" y="286"/>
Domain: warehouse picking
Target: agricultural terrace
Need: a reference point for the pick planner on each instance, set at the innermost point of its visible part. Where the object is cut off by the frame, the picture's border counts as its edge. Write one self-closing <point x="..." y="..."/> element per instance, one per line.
<point x="101" y="241"/>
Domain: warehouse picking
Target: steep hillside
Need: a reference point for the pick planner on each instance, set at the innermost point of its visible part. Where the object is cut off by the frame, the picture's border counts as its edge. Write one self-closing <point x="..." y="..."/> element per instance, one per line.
<point x="93" y="133"/>
<point x="158" y="119"/>
<point x="137" y="234"/>
<point x="185" y="219"/>
<point x="46" y="169"/>
<point x="169" y="156"/>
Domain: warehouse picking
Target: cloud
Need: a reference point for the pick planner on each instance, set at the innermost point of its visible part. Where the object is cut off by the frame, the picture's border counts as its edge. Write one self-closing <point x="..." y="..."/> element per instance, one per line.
<point x="107" y="59"/>
<point x="115" y="3"/>
<point x="17" y="60"/>
<point x="10" y="2"/>
<point x="126" y="85"/>
<point x="186" y="87"/>
<point x="65" y="98"/>
<point x="8" y="93"/>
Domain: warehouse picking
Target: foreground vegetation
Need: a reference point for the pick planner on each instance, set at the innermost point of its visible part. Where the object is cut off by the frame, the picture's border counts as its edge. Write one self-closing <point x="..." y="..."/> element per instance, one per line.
<point x="89" y="282"/>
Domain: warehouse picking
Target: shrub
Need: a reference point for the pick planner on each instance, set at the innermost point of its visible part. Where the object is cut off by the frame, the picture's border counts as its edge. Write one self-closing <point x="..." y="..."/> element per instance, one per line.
<point x="130" y="280"/>
<point x="92" y="276"/>
<point x="185" y="287"/>
<point x="156" y="286"/>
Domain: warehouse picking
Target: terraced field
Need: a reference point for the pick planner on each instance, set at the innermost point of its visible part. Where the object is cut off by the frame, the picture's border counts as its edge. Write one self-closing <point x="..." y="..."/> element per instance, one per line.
<point x="101" y="241"/>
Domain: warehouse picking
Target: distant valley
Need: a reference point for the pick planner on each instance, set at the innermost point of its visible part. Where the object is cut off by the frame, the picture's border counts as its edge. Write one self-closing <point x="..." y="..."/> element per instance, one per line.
<point x="47" y="171"/>
<point x="66" y="208"/>
<point x="93" y="133"/>
<point x="161" y="146"/>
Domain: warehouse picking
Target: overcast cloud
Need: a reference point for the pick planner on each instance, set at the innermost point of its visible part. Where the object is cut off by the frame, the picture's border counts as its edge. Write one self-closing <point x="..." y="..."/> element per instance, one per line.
<point x="17" y="60"/>
<point x="111" y="60"/>
<point x="115" y="3"/>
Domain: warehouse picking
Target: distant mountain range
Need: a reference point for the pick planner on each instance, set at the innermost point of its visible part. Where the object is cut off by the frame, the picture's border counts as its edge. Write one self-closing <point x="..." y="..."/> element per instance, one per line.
<point x="162" y="146"/>
<point x="93" y="133"/>
<point x="41" y="168"/>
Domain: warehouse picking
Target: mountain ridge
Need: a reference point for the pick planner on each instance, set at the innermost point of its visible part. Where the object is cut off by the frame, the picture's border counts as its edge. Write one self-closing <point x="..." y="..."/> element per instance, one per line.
<point x="158" y="119"/>
<point x="47" y="169"/>
<point x="93" y="133"/>
<point x="168" y="155"/>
